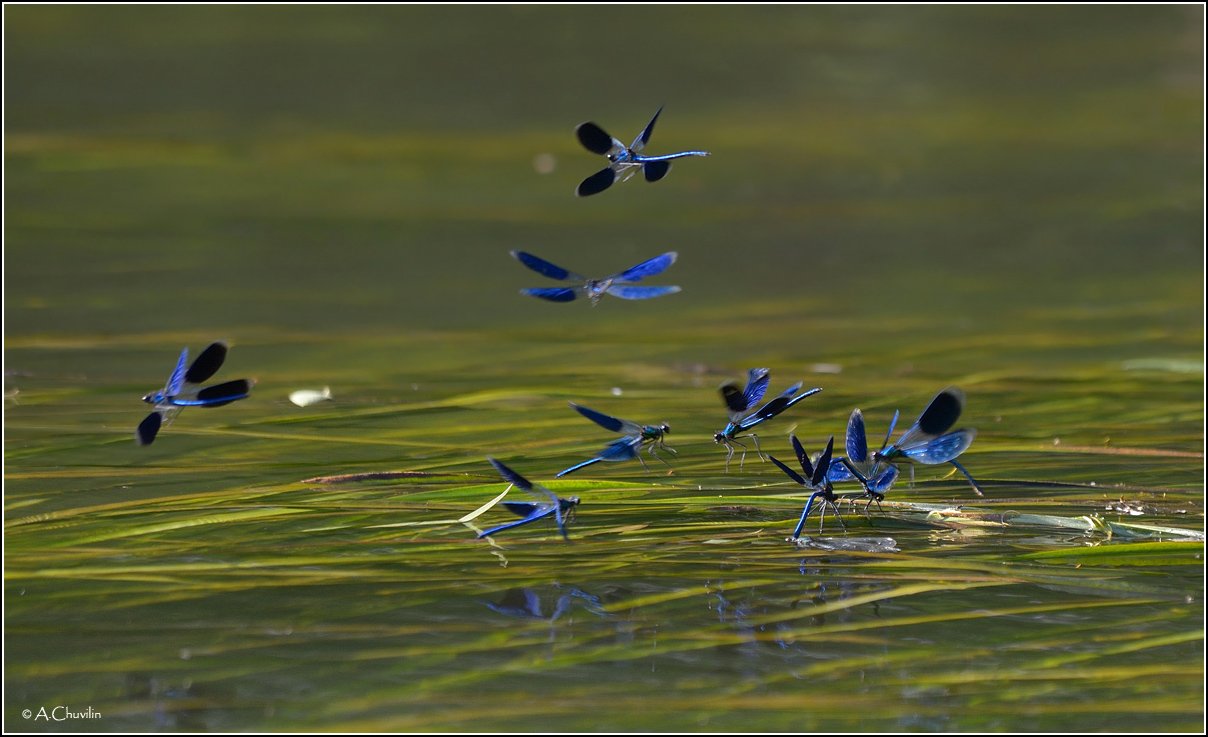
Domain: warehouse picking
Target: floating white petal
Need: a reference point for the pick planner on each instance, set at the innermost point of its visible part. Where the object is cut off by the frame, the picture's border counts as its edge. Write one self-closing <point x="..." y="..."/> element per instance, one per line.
<point x="307" y="397"/>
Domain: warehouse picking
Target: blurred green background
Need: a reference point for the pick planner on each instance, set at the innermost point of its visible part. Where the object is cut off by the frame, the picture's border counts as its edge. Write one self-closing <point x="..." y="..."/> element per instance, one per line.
<point x="899" y="198"/>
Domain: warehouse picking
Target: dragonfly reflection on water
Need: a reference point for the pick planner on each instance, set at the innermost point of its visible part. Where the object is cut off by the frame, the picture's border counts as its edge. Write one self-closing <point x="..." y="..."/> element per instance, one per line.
<point x="618" y="285"/>
<point x="623" y="161"/>
<point x="636" y="437"/>
<point x="181" y="391"/>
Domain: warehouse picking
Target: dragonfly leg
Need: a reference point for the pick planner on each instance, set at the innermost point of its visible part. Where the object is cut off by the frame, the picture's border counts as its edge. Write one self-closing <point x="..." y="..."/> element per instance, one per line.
<point x="961" y="468"/>
<point x="828" y="503"/>
<point x="757" y="448"/>
<point x="656" y="455"/>
<point x="644" y="466"/>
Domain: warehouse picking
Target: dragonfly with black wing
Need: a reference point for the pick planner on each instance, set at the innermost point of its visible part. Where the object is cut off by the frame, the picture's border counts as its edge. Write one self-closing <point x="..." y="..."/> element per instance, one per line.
<point x="618" y="285"/>
<point x="928" y="440"/>
<point x="740" y="402"/>
<point x="815" y="479"/>
<point x="181" y="390"/>
<point x="636" y="437"/>
<point x="623" y="161"/>
<point x="545" y="503"/>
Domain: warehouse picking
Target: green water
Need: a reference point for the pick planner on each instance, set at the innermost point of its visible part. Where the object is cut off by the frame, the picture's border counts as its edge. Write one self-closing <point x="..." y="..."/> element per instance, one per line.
<point x="1008" y="199"/>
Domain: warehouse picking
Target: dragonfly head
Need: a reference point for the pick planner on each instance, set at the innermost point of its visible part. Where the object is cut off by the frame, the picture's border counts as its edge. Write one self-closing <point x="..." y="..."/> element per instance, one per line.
<point x="665" y="429"/>
<point x="154" y="398"/>
<point x="720" y="438"/>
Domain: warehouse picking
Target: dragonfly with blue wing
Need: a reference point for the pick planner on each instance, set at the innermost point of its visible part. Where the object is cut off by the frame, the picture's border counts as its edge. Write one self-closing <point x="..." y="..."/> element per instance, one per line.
<point x="815" y="479"/>
<point x="636" y="437"/>
<point x="857" y="465"/>
<point x="545" y="503"/>
<point x="618" y="285"/>
<point x="623" y="161"/>
<point x="928" y="440"/>
<point x="181" y="390"/>
<point x="740" y="402"/>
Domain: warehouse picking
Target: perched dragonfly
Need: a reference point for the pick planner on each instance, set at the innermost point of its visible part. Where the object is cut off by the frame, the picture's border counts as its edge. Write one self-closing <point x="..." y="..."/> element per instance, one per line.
<point x="181" y="390"/>
<point x="544" y="504"/>
<point x="858" y="466"/>
<point x="814" y="478"/>
<point x="928" y="441"/>
<point x="623" y="162"/>
<point x="618" y="285"/>
<point x="741" y="401"/>
<point x="636" y="437"/>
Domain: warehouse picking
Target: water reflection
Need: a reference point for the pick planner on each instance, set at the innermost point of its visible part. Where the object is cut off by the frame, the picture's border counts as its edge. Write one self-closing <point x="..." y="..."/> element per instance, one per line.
<point x="527" y="603"/>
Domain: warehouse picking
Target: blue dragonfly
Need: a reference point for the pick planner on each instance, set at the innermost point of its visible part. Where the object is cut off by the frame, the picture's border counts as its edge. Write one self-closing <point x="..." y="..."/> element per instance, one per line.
<point x="859" y="466"/>
<point x="815" y="479"/>
<point x="618" y="285"/>
<point x="928" y="440"/>
<point x="623" y="161"/>
<point x="181" y="390"/>
<point x="740" y="402"/>
<point x="545" y="503"/>
<point x="636" y="437"/>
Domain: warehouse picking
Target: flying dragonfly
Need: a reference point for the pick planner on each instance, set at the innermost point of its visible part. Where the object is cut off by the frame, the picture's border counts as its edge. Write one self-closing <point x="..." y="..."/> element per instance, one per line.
<point x="623" y="161"/>
<point x="814" y="478"/>
<point x="741" y="401"/>
<point x="181" y="390"/>
<point x="858" y="466"/>
<point x="618" y="285"/>
<point x="544" y="504"/>
<point x="928" y="441"/>
<point x="630" y="446"/>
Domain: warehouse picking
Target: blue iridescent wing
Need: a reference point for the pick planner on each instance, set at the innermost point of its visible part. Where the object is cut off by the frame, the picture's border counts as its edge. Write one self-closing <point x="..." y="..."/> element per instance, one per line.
<point x="596" y="183"/>
<point x="622" y="449"/>
<point x="757" y="386"/>
<point x="176" y="382"/>
<point x="881" y="482"/>
<point x="857" y="440"/>
<point x="627" y="292"/>
<point x="207" y="364"/>
<point x="594" y="139"/>
<point x="553" y="294"/>
<point x="892" y="424"/>
<point x="788" y="471"/>
<point x="823" y="464"/>
<point x="776" y="406"/>
<point x="643" y="138"/>
<point x="608" y="423"/>
<point x="539" y="494"/>
<point x="511" y="476"/>
<point x="650" y="267"/>
<point x="538" y="512"/>
<point x="545" y="268"/>
<point x="802" y="457"/>
<point x="941" y="449"/>
<point x="838" y="473"/>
